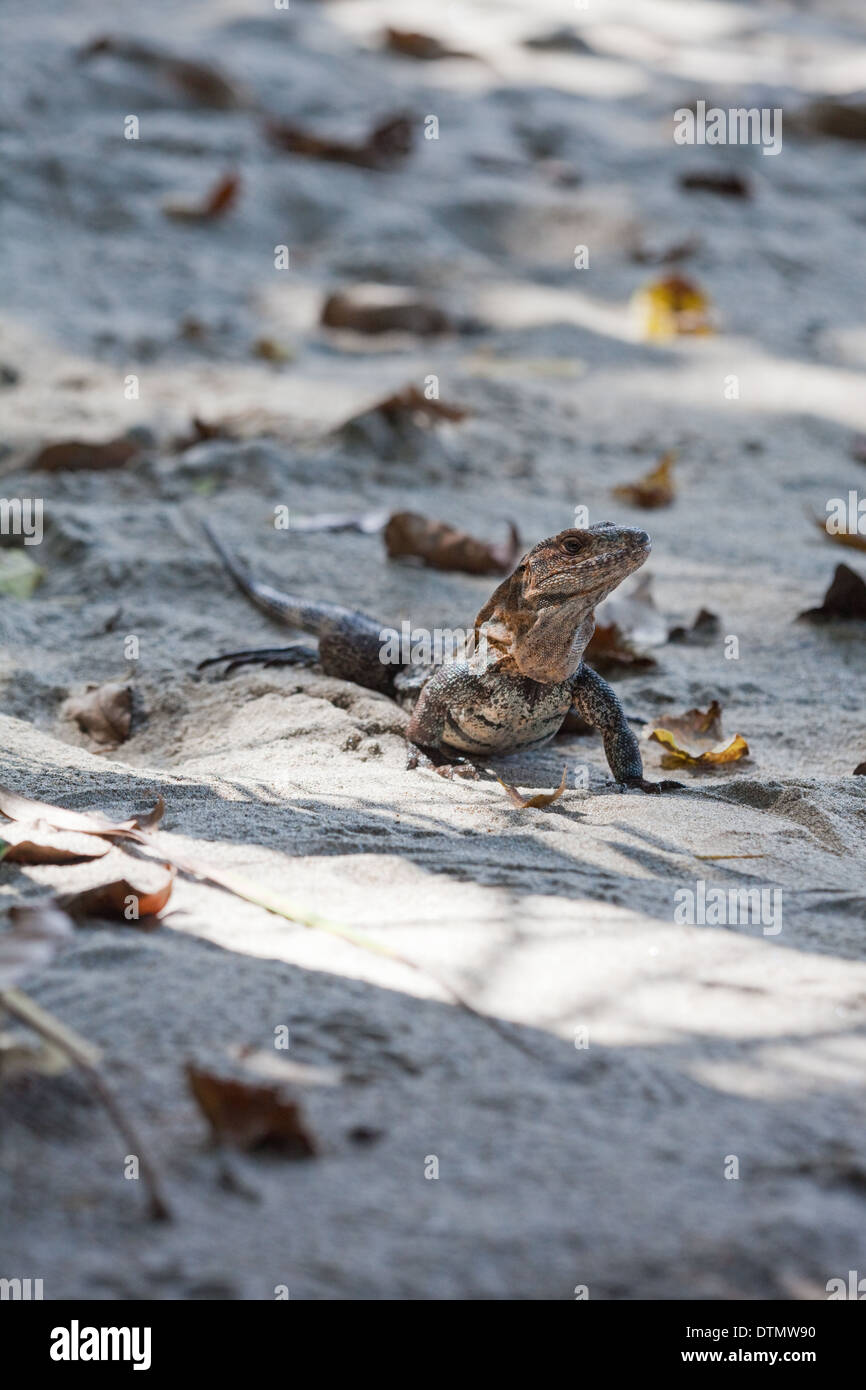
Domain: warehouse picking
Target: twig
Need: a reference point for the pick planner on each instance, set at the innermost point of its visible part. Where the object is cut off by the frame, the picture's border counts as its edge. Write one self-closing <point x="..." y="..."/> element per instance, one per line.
<point x="86" y="1056"/>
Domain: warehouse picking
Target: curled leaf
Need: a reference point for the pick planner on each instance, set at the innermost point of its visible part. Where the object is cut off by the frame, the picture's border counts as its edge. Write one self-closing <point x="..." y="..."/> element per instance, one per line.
<point x="22" y="808"/>
<point x="671" y="306"/>
<point x="103" y="712"/>
<point x="704" y="628"/>
<point x="42" y="844"/>
<point x="845" y="598"/>
<point x="654" y="489"/>
<point x="216" y="204"/>
<point x="122" y="901"/>
<point x="539" y="799"/>
<point x="198" y="81"/>
<point x="72" y="455"/>
<point x="695" y="738"/>
<point x="387" y="144"/>
<point x="423" y="47"/>
<point x="377" y="309"/>
<point x="725" y="182"/>
<point x="860" y="770"/>
<point x="19" y="575"/>
<point x="626" y="626"/>
<point x="725" y="753"/>
<point x="251" y="1114"/>
<point x="443" y="547"/>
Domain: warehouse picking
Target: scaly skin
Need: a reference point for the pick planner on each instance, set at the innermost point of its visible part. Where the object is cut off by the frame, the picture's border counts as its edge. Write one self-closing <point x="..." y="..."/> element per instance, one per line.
<point x="525" y="673"/>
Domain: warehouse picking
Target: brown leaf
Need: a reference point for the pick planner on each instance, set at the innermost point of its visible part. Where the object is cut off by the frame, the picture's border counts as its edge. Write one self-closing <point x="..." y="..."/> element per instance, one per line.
<point x="696" y="724"/>
<point x="654" y="489"/>
<point x="703" y="629"/>
<point x="423" y="47"/>
<point x="845" y="598"/>
<point x="850" y="538"/>
<point x="103" y="712"/>
<point x="221" y="198"/>
<point x="251" y="1114"/>
<point x="696" y="739"/>
<point x="41" y="844"/>
<point x="35" y="936"/>
<point x="540" y="798"/>
<point x="443" y="547"/>
<point x="725" y="182"/>
<point x="203" y="84"/>
<point x="610" y="648"/>
<point x="626" y="625"/>
<point x="22" y="808"/>
<point x="386" y="145"/>
<point x="122" y="901"/>
<point x="383" y="309"/>
<point x="860" y="770"/>
<point x="72" y="455"/>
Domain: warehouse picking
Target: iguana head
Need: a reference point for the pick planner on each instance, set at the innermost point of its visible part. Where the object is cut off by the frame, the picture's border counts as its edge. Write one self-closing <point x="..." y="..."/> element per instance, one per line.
<point x="540" y="619"/>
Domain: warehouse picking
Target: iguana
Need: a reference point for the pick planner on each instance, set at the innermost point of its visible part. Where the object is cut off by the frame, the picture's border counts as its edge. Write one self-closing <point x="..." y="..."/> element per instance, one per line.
<point x="517" y="681"/>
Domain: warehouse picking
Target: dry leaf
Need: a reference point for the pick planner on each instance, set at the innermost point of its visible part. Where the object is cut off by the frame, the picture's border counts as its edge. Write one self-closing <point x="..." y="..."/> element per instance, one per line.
<point x="704" y="628"/>
<point x="701" y="730"/>
<point x="423" y="47"/>
<point x="850" y="538"/>
<point x="671" y="306"/>
<point x="860" y="770"/>
<point x="725" y="182"/>
<point x="19" y="575"/>
<point x="22" y="808"/>
<point x="845" y="598"/>
<point x="540" y="798"/>
<point x="122" y="901"/>
<point x="442" y="547"/>
<point x="609" y="649"/>
<point x="222" y="196"/>
<point x="269" y="350"/>
<point x="35" y="936"/>
<point x="104" y="712"/>
<point x="251" y="1114"/>
<point x="725" y="753"/>
<point x="842" y="118"/>
<point x="383" y="309"/>
<point x="71" y="455"/>
<point x="198" y="81"/>
<point x="626" y="625"/>
<point x="654" y="489"/>
<point x="386" y="145"/>
<point x="42" y="844"/>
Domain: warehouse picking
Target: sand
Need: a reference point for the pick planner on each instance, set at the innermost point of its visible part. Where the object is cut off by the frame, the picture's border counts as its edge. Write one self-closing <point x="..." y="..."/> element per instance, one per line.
<point x="584" y="1126"/>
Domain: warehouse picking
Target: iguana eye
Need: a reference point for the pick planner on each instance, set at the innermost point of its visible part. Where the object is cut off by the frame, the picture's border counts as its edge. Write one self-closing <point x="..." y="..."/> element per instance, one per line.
<point x="573" y="547"/>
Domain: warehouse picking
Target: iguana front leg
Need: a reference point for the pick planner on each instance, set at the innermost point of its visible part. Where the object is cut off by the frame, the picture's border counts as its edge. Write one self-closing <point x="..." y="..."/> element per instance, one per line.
<point x="595" y="701"/>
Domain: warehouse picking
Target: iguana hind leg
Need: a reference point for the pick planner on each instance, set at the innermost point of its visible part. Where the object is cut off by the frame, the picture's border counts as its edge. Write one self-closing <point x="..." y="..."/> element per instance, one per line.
<point x="298" y="654"/>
